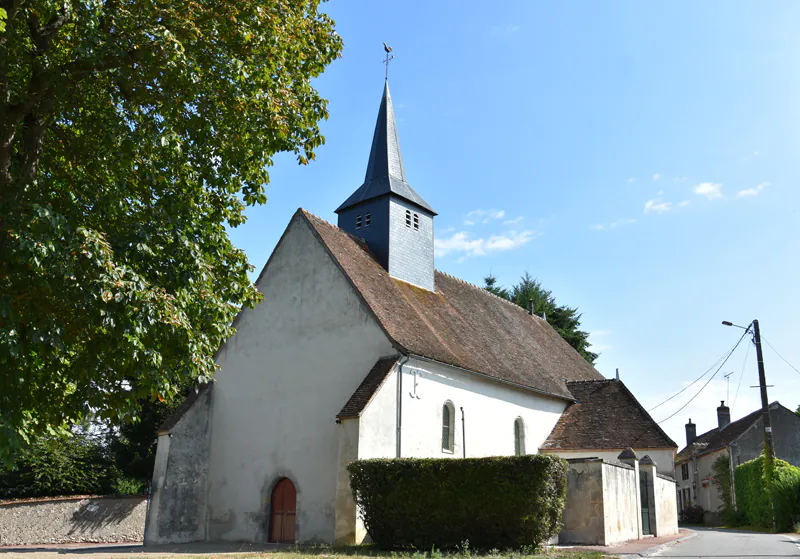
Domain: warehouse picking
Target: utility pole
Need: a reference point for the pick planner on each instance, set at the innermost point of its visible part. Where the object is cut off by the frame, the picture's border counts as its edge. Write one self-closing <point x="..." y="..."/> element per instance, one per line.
<point x="762" y="381"/>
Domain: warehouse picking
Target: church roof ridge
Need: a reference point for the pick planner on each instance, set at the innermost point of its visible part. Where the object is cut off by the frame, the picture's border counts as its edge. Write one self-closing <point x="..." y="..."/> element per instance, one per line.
<point x="487" y="292"/>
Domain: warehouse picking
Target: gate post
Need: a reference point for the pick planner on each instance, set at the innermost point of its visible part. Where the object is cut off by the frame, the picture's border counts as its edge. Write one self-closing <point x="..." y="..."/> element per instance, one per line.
<point x="628" y="456"/>
<point x="647" y="466"/>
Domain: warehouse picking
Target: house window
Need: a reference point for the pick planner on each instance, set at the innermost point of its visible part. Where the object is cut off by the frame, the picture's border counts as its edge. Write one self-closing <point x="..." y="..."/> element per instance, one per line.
<point x="448" y="431"/>
<point x="358" y="222"/>
<point x="684" y="471"/>
<point x="367" y="219"/>
<point x="416" y="222"/>
<point x="519" y="437"/>
<point x="408" y="218"/>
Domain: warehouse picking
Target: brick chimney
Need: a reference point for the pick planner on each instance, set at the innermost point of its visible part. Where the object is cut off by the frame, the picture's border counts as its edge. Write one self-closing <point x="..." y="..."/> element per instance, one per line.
<point x="723" y="415"/>
<point x="691" y="432"/>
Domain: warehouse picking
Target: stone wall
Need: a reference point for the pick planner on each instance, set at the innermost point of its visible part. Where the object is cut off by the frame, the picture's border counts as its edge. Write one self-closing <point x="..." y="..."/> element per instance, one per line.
<point x="583" y="520"/>
<point x="106" y="520"/>
<point x="623" y="511"/>
<point x="666" y="506"/>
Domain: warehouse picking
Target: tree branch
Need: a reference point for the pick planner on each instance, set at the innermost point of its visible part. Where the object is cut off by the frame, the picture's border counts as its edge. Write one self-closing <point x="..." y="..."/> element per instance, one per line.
<point x="42" y="36"/>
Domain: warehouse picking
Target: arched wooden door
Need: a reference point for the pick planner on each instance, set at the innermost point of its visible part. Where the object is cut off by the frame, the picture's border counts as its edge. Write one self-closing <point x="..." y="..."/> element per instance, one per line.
<point x="283" y="510"/>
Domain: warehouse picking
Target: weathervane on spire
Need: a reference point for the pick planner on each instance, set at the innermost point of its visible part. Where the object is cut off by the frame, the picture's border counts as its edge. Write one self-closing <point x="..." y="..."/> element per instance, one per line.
<point x="389" y="57"/>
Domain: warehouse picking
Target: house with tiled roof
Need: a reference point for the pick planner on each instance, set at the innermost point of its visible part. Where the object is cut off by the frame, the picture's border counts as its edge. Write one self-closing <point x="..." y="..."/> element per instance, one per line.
<point x="736" y="442"/>
<point x="362" y="349"/>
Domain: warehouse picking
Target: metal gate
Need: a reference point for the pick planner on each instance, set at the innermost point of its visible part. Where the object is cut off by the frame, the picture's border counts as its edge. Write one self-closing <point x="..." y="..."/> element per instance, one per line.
<point x="644" y="492"/>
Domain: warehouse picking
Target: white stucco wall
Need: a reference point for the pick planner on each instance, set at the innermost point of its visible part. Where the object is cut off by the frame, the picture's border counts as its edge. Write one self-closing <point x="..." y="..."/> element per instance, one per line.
<point x="664" y="458"/>
<point x="666" y="507"/>
<point x="377" y="435"/>
<point x="295" y="360"/>
<point x="490" y="409"/>
<point x="622" y="512"/>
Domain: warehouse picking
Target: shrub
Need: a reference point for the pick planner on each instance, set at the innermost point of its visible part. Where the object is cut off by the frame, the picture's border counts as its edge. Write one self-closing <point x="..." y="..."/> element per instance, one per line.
<point x="59" y="465"/>
<point x="692" y="515"/>
<point x="769" y="504"/>
<point x="500" y="502"/>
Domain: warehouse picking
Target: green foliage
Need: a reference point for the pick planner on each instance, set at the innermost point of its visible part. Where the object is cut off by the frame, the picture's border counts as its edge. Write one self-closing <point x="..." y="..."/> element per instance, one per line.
<point x="721" y="473"/>
<point x="132" y="134"/>
<point x="565" y="320"/>
<point x="692" y="515"/>
<point x="502" y="502"/>
<point x="768" y="501"/>
<point x="60" y="465"/>
<point x="133" y="443"/>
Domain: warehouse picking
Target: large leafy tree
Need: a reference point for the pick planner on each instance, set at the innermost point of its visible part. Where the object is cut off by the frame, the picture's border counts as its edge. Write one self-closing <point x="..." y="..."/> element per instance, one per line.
<point x="529" y="293"/>
<point x="132" y="133"/>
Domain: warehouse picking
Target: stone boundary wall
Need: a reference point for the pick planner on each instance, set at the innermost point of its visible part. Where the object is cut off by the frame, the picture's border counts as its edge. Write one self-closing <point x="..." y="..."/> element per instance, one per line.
<point x="79" y="519"/>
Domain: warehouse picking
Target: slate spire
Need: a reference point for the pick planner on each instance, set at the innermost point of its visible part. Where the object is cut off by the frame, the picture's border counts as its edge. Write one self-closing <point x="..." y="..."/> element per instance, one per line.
<point x="385" y="172"/>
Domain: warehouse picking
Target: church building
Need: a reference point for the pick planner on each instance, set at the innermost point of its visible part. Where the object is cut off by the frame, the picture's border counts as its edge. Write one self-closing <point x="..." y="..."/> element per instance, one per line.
<point x="362" y="349"/>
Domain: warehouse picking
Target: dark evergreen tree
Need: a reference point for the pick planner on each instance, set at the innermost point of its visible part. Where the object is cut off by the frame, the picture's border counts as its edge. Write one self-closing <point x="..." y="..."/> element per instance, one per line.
<point x="565" y="320"/>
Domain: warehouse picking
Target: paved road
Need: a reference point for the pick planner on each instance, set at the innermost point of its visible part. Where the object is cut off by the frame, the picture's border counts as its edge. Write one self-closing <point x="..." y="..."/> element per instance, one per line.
<point x="733" y="543"/>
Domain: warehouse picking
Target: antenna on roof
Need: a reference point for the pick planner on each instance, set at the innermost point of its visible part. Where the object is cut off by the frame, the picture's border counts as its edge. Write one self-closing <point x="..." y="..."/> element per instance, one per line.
<point x="617" y="373"/>
<point x="530" y="308"/>
<point x="544" y="316"/>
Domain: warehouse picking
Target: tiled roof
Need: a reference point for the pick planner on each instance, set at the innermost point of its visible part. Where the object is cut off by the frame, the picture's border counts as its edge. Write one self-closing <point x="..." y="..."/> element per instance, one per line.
<point x="460" y="324"/>
<point x="719" y="438"/>
<point x="368" y="388"/>
<point x="606" y="416"/>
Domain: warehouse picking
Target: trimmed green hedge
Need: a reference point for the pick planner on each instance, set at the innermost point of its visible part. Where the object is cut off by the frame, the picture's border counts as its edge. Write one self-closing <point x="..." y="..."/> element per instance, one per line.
<point x="499" y="502"/>
<point x="757" y="499"/>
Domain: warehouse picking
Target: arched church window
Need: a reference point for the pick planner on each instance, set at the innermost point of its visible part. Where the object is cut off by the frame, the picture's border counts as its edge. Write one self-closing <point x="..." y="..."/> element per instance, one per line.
<point x="416" y="221"/>
<point x="367" y="219"/>
<point x="448" y="430"/>
<point x="519" y="437"/>
<point x="408" y="218"/>
<point x="358" y="222"/>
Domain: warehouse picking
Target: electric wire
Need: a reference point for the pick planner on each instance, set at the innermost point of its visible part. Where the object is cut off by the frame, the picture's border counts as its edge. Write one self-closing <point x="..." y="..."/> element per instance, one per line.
<point x="779" y="355"/>
<point x="695" y="380"/>
<point x="709" y="380"/>
<point x="741" y="376"/>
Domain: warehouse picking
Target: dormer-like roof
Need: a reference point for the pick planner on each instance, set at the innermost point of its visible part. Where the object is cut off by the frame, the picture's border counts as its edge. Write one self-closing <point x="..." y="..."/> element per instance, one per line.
<point x="385" y="172"/>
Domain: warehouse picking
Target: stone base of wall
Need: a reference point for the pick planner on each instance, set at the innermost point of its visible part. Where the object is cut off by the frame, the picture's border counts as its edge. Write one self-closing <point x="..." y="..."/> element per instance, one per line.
<point x="100" y="520"/>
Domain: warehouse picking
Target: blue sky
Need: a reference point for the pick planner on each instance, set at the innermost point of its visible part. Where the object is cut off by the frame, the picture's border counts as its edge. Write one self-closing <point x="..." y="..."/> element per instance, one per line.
<point x="641" y="160"/>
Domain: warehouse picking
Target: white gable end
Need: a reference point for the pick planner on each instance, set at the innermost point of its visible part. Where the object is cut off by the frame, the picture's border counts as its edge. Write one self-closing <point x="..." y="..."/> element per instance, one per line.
<point x="295" y="360"/>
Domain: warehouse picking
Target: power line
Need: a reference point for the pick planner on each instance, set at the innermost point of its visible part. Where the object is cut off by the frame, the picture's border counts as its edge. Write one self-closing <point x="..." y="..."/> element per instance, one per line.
<point x="710" y="379"/>
<point x="695" y="380"/>
<point x="741" y="376"/>
<point x="779" y="355"/>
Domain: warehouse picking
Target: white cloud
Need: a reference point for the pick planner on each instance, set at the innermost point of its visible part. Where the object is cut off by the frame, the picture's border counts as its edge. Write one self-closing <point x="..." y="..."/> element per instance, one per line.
<point x="484" y="216"/>
<point x="595" y="345"/>
<point x="462" y="243"/>
<point x="613" y="224"/>
<point x="656" y="177"/>
<point x="684" y="204"/>
<point x="710" y="190"/>
<point x="750" y="192"/>
<point x="657" y="206"/>
<point x="513" y="221"/>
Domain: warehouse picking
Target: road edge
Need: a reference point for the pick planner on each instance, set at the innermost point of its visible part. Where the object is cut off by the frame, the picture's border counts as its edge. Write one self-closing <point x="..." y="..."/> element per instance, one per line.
<point x="660" y="547"/>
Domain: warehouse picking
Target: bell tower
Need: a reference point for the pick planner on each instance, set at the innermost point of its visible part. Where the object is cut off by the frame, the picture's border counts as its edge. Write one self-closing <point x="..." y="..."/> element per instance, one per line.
<point x="392" y="219"/>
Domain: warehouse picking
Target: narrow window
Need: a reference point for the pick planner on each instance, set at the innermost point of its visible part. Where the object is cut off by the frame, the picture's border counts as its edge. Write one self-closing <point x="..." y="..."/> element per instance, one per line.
<point x="448" y="414"/>
<point x="358" y="222"/>
<point x="367" y="219"/>
<point x="416" y="221"/>
<point x="408" y="218"/>
<point x="519" y="437"/>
